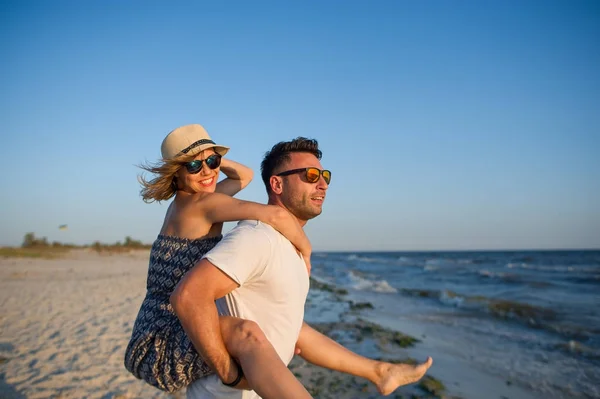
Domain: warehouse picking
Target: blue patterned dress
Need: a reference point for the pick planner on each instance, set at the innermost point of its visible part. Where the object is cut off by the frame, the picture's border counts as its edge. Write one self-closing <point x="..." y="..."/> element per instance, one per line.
<point x="159" y="351"/>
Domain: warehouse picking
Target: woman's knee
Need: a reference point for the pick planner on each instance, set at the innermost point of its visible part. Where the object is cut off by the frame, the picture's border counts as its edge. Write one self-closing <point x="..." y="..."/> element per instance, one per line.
<point x="245" y="335"/>
<point x="248" y="330"/>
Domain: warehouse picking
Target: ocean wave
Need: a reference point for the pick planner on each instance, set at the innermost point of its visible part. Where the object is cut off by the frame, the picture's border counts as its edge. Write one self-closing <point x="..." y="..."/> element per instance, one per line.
<point x="447" y="264"/>
<point x="506" y="277"/>
<point x="554" y="268"/>
<point x="523" y="313"/>
<point x="362" y="282"/>
<point x="386" y="260"/>
<point x="450" y="298"/>
<point x="432" y="265"/>
<point x="518" y="265"/>
<point x="491" y="274"/>
<point x="366" y="259"/>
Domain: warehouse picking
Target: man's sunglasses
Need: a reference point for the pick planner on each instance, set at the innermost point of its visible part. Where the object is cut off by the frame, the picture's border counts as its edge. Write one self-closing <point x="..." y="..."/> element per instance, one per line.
<point x="195" y="166"/>
<point x="312" y="174"/>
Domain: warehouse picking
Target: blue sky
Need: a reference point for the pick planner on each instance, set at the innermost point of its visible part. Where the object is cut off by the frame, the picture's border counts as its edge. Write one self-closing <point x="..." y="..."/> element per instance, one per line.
<point x="447" y="125"/>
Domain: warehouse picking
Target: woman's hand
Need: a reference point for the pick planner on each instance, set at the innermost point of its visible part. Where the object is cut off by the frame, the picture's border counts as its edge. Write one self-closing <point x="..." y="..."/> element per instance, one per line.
<point x="238" y="177"/>
<point x="287" y="224"/>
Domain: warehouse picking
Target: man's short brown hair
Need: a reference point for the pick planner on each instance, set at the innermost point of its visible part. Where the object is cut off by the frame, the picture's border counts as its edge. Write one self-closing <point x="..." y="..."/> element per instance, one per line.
<point x="280" y="154"/>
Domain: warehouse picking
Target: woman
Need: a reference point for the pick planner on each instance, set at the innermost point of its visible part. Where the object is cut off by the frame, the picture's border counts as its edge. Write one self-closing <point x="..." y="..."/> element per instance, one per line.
<point x="159" y="351"/>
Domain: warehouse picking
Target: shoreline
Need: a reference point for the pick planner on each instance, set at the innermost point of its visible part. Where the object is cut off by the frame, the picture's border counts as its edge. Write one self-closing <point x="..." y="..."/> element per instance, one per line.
<point x="458" y="378"/>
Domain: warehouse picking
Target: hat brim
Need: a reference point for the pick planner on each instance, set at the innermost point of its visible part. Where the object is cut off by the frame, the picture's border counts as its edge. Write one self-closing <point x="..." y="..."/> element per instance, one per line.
<point x="219" y="149"/>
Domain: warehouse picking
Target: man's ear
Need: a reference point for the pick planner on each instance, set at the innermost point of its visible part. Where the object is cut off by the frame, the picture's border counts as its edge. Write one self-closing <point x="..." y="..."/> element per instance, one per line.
<point x="276" y="183"/>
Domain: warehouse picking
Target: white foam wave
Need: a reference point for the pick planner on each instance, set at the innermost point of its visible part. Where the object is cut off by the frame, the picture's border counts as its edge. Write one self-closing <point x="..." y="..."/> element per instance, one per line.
<point x="365" y="259"/>
<point x="363" y="283"/>
<point x="491" y="274"/>
<point x="449" y="298"/>
<point x="443" y="263"/>
<point x="544" y="268"/>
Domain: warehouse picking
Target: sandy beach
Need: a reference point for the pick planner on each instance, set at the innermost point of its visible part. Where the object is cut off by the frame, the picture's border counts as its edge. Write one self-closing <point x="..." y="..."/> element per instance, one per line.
<point x="65" y="323"/>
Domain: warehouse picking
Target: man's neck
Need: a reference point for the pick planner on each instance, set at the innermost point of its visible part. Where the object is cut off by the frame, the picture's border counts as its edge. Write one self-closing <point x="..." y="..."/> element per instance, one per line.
<point x="275" y="201"/>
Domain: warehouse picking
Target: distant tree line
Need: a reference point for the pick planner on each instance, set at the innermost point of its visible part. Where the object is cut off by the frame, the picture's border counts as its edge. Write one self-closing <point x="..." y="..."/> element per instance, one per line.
<point x="31" y="241"/>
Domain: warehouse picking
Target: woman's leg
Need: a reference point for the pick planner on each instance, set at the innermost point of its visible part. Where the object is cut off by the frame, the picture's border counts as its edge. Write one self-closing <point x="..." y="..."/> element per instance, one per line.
<point x="322" y="351"/>
<point x="263" y="368"/>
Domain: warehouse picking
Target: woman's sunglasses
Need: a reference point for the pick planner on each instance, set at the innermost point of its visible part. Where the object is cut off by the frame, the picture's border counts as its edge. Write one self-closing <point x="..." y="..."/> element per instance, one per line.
<point x="195" y="166"/>
<point x="312" y="174"/>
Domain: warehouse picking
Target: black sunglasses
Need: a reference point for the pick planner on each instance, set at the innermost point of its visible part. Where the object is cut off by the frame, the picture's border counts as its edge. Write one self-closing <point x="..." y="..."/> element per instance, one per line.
<point x="312" y="174"/>
<point x="195" y="166"/>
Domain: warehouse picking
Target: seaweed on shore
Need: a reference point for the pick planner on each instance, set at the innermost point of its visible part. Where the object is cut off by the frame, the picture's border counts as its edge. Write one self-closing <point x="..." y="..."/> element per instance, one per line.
<point x="421" y="293"/>
<point x="317" y="285"/>
<point x="360" y="305"/>
<point x="506" y="309"/>
<point x="385" y="335"/>
<point x="361" y="329"/>
<point x="432" y="386"/>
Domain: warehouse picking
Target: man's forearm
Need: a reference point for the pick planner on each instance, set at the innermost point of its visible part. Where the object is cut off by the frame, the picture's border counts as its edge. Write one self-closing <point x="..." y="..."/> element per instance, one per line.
<point x="200" y="320"/>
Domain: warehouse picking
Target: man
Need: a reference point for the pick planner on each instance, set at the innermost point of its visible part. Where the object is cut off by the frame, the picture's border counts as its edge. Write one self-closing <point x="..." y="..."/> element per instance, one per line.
<point x="254" y="273"/>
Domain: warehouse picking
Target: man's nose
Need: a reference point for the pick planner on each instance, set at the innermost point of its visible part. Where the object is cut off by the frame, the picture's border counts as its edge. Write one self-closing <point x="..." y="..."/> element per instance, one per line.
<point x="322" y="184"/>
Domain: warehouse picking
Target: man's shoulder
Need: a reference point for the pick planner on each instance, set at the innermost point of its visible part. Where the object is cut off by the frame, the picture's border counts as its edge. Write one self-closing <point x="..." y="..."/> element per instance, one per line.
<point x="255" y="227"/>
<point x="253" y="230"/>
<point x="264" y="232"/>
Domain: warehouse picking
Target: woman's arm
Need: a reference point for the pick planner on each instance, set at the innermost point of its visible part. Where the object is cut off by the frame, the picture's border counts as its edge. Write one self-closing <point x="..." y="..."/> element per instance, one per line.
<point x="238" y="177"/>
<point x="219" y="208"/>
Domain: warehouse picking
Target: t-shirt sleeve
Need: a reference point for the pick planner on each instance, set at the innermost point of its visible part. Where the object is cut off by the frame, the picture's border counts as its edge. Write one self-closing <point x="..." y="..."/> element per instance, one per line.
<point x="243" y="253"/>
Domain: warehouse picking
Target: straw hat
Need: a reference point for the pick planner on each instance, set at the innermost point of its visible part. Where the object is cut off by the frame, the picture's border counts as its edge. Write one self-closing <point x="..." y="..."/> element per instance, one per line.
<point x="190" y="140"/>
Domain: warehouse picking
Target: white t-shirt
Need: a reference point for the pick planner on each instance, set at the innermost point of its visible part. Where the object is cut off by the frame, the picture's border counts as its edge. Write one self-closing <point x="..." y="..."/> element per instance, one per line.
<point x="273" y="287"/>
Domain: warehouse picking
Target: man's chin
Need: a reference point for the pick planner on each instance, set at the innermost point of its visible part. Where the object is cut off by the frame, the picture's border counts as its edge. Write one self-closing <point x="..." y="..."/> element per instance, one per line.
<point x="307" y="212"/>
<point x="315" y="213"/>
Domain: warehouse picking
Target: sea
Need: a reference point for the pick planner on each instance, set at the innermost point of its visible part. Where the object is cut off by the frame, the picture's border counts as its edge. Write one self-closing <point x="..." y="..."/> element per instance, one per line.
<point x="530" y="317"/>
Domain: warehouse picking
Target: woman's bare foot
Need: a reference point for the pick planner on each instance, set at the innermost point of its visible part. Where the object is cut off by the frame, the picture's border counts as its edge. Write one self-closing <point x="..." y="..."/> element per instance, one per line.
<point x="392" y="376"/>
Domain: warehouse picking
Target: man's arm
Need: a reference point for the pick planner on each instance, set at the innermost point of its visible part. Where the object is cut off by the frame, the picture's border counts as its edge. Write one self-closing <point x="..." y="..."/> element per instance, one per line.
<point x="193" y="301"/>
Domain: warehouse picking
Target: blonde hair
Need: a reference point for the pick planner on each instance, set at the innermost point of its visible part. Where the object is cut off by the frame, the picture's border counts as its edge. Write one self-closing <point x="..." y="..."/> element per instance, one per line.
<point x="161" y="187"/>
